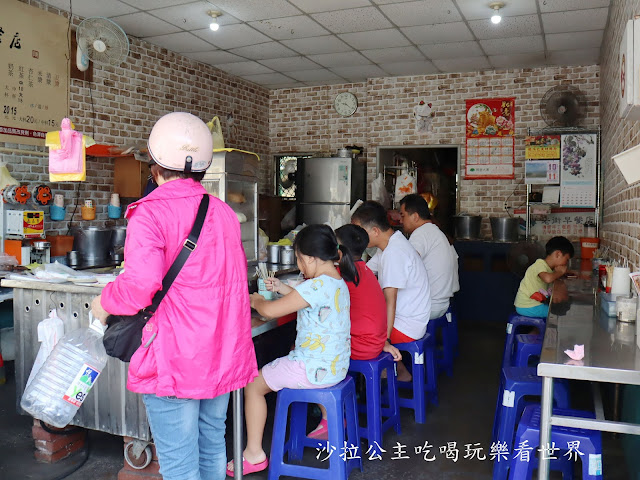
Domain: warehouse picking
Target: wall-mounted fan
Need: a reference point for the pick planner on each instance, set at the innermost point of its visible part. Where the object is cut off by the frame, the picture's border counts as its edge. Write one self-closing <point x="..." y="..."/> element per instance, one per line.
<point x="522" y="255"/>
<point x="100" y="40"/>
<point x="563" y="106"/>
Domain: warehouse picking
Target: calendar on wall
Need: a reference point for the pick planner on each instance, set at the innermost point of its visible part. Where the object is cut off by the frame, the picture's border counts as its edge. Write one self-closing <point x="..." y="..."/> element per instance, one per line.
<point x="578" y="175"/>
<point x="490" y="144"/>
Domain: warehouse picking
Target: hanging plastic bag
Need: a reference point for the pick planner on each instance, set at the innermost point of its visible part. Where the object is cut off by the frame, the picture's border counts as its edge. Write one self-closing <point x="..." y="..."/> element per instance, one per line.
<point x="50" y="330"/>
<point x="5" y="177"/>
<point x="379" y="193"/>
<point x="67" y="153"/>
<point x="216" y="133"/>
<point x="405" y="185"/>
<point x="263" y="239"/>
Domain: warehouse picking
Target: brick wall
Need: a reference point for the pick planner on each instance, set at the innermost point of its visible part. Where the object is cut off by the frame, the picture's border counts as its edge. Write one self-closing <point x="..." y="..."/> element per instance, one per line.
<point x="303" y="120"/>
<point x="621" y="212"/>
<point x="128" y="99"/>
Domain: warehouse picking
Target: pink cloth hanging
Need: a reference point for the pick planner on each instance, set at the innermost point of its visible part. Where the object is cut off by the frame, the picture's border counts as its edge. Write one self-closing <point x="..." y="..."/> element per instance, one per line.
<point x="69" y="157"/>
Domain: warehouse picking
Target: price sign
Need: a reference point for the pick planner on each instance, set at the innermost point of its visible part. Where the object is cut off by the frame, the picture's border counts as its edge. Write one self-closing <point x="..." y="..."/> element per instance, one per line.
<point x="33" y="73"/>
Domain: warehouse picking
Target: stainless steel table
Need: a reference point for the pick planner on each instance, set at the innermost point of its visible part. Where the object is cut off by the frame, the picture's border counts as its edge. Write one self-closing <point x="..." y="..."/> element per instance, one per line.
<point x="611" y="356"/>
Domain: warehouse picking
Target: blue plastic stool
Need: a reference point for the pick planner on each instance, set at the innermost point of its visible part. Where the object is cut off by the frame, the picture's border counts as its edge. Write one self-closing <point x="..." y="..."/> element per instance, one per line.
<point x="340" y="402"/>
<point x="527" y="346"/>
<point x="452" y="318"/>
<point x="444" y="359"/>
<point x="423" y="366"/>
<point x="372" y="370"/>
<point x="518" y="382"/>
<point x="515" y="322"/>
<point x="529" y="431"/>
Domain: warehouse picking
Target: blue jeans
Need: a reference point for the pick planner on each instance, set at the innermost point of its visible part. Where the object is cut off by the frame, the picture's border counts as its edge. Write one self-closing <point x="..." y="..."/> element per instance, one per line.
<point x="189" y="436"/>
<point x="541" y="311"/>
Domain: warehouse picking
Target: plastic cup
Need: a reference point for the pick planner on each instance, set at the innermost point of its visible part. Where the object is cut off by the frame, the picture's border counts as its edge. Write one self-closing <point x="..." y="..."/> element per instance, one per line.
<point x="115" y="199"/>
<point x="58" y="200"/>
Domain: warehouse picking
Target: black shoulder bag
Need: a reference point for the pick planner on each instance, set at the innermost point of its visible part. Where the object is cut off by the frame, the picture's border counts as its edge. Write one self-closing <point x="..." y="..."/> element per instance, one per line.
<point x="124" y="332"/>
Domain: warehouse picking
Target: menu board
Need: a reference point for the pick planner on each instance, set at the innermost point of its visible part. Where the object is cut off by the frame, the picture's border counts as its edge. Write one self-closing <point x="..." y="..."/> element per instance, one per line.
<point x="33" y="73"/>
<point x="578" y="170"/>
<point x="490" y="146"/>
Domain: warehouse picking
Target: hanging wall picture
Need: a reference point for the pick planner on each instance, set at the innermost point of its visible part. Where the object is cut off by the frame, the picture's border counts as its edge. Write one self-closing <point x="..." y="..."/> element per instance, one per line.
<point x="490" y="127"/>
<point x="423" y="114"/>
<point x="578" y="173"/>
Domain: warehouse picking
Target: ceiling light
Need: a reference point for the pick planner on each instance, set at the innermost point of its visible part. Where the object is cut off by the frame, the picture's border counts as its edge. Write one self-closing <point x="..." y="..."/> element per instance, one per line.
<point x="496" y="17"/>
<point x="214" y="14"/>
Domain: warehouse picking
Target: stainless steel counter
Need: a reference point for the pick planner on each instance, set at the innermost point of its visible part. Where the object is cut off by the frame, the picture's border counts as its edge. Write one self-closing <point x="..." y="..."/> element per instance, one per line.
<point x="110" y="407"/>
<point x="611" y="356"/>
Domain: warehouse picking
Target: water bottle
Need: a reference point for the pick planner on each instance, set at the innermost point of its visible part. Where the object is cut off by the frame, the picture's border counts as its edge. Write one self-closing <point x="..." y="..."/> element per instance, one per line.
<point x="65" y="379"/>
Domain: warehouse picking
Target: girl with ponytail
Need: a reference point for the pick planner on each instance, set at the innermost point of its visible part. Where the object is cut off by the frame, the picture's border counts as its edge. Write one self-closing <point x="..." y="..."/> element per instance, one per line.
<point x="322" y="349"/>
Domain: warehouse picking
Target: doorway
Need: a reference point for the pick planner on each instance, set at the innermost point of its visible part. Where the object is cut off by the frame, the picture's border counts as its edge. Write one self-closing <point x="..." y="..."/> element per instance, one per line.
<point x="437" y="171"/>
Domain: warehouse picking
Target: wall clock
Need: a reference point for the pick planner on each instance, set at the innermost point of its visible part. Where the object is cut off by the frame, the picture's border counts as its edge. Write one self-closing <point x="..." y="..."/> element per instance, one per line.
<point x="345" y="104"/>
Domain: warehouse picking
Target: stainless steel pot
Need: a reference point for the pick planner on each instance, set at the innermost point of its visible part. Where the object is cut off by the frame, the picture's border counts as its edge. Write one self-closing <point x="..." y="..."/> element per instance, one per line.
<point x="287" y="255"/>
<point x="467" y="227"/>
<point x="92" y="244"/>
<point x="273" y="253"/>
<point x="118" y="236"/>
<point x="505" y="229"/>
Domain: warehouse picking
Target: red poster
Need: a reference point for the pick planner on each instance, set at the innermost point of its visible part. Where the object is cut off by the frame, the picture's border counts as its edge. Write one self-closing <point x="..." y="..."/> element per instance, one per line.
<point x="490" y="145"/>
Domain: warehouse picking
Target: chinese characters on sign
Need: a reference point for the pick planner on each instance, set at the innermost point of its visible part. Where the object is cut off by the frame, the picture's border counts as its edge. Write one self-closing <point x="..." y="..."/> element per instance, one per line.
<point x="33" y="73"/>
<point x="498" y="452"/>
<point x="490" y="125"/>
<point x="542" y="147"/>
<point x="578" y="175"/>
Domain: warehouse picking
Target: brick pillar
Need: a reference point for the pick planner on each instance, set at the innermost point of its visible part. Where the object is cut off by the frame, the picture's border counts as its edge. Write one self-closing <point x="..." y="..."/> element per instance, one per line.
<point x="151" y="472"/>
<point x="53" y="447"/>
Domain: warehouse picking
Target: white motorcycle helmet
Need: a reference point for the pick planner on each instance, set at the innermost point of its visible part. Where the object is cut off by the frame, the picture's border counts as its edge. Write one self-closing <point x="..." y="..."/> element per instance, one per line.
<point x="181" y="142"/>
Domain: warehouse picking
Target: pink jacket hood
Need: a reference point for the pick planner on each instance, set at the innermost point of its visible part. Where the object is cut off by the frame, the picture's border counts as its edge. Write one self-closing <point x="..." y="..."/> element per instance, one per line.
<point x="203" y="346"/>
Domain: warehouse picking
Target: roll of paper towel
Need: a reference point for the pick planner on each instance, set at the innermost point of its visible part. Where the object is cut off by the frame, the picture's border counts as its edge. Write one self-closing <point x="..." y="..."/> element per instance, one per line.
<point x="621" y="282"/>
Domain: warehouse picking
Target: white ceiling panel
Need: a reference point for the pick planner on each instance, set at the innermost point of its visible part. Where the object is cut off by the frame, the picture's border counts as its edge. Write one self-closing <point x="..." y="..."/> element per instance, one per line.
<point x="250" y="10"/>
<point x="232" y="36"/>
<point x="574" y="40"/>
<point x="442" y="33"/>
<point x="397" y="54"/>
<point x="331" y="41"/>
<point x="151" y="4"/>
<point x="509" y="27"/>
<point x="409" y="68"/>
<point x="390" y="37"/>
<point x="289" y="27"/>
<point x="360" y="74"/>
<point x="181" y="42"/>
<point x="214" y="57"/>
<point x="518" y="60"/>
<point x="263" y="51"/>
<point x="452" y="50"/>
<point x="462" y="64"/>
<point x="588" y="56"/>
<point x="93" y="8"/>
<point x="318" y="45"/>
<point x="576" y="21"/>
<point x="313" y="75"/>
<point x="315" y="6"/>
<point x="244" y="68"/>
<point x="563" y="5"/>
<point x="340" y="59"/>
<point x="508" y="46"/>
<point x="424" y="12"/>
<point x="192" y="16"/>
<point x="353" y="20"/>
<point x="478" y="10"/>
<point x="268" y="78"/>
<point x="290" y="64"/>
<point x="142" y="24"/>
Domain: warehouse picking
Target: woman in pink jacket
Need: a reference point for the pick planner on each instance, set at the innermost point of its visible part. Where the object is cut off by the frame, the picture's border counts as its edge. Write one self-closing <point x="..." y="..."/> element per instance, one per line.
<point x="200" y="336"/>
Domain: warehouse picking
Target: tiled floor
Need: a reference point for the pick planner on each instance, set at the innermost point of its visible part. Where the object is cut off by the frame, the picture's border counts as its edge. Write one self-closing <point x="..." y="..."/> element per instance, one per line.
<point x="464" y="416"/>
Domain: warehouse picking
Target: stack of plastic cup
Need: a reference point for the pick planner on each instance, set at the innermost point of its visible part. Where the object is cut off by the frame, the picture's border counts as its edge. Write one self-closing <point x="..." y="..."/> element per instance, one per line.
<point x="57" y="211"/>
<point x="114" y="209"/>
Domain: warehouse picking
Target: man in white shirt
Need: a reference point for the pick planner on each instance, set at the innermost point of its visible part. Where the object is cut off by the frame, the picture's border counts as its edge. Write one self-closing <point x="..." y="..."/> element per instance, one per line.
<point x="434" y="249"/>
<point x="402" y="276"/>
